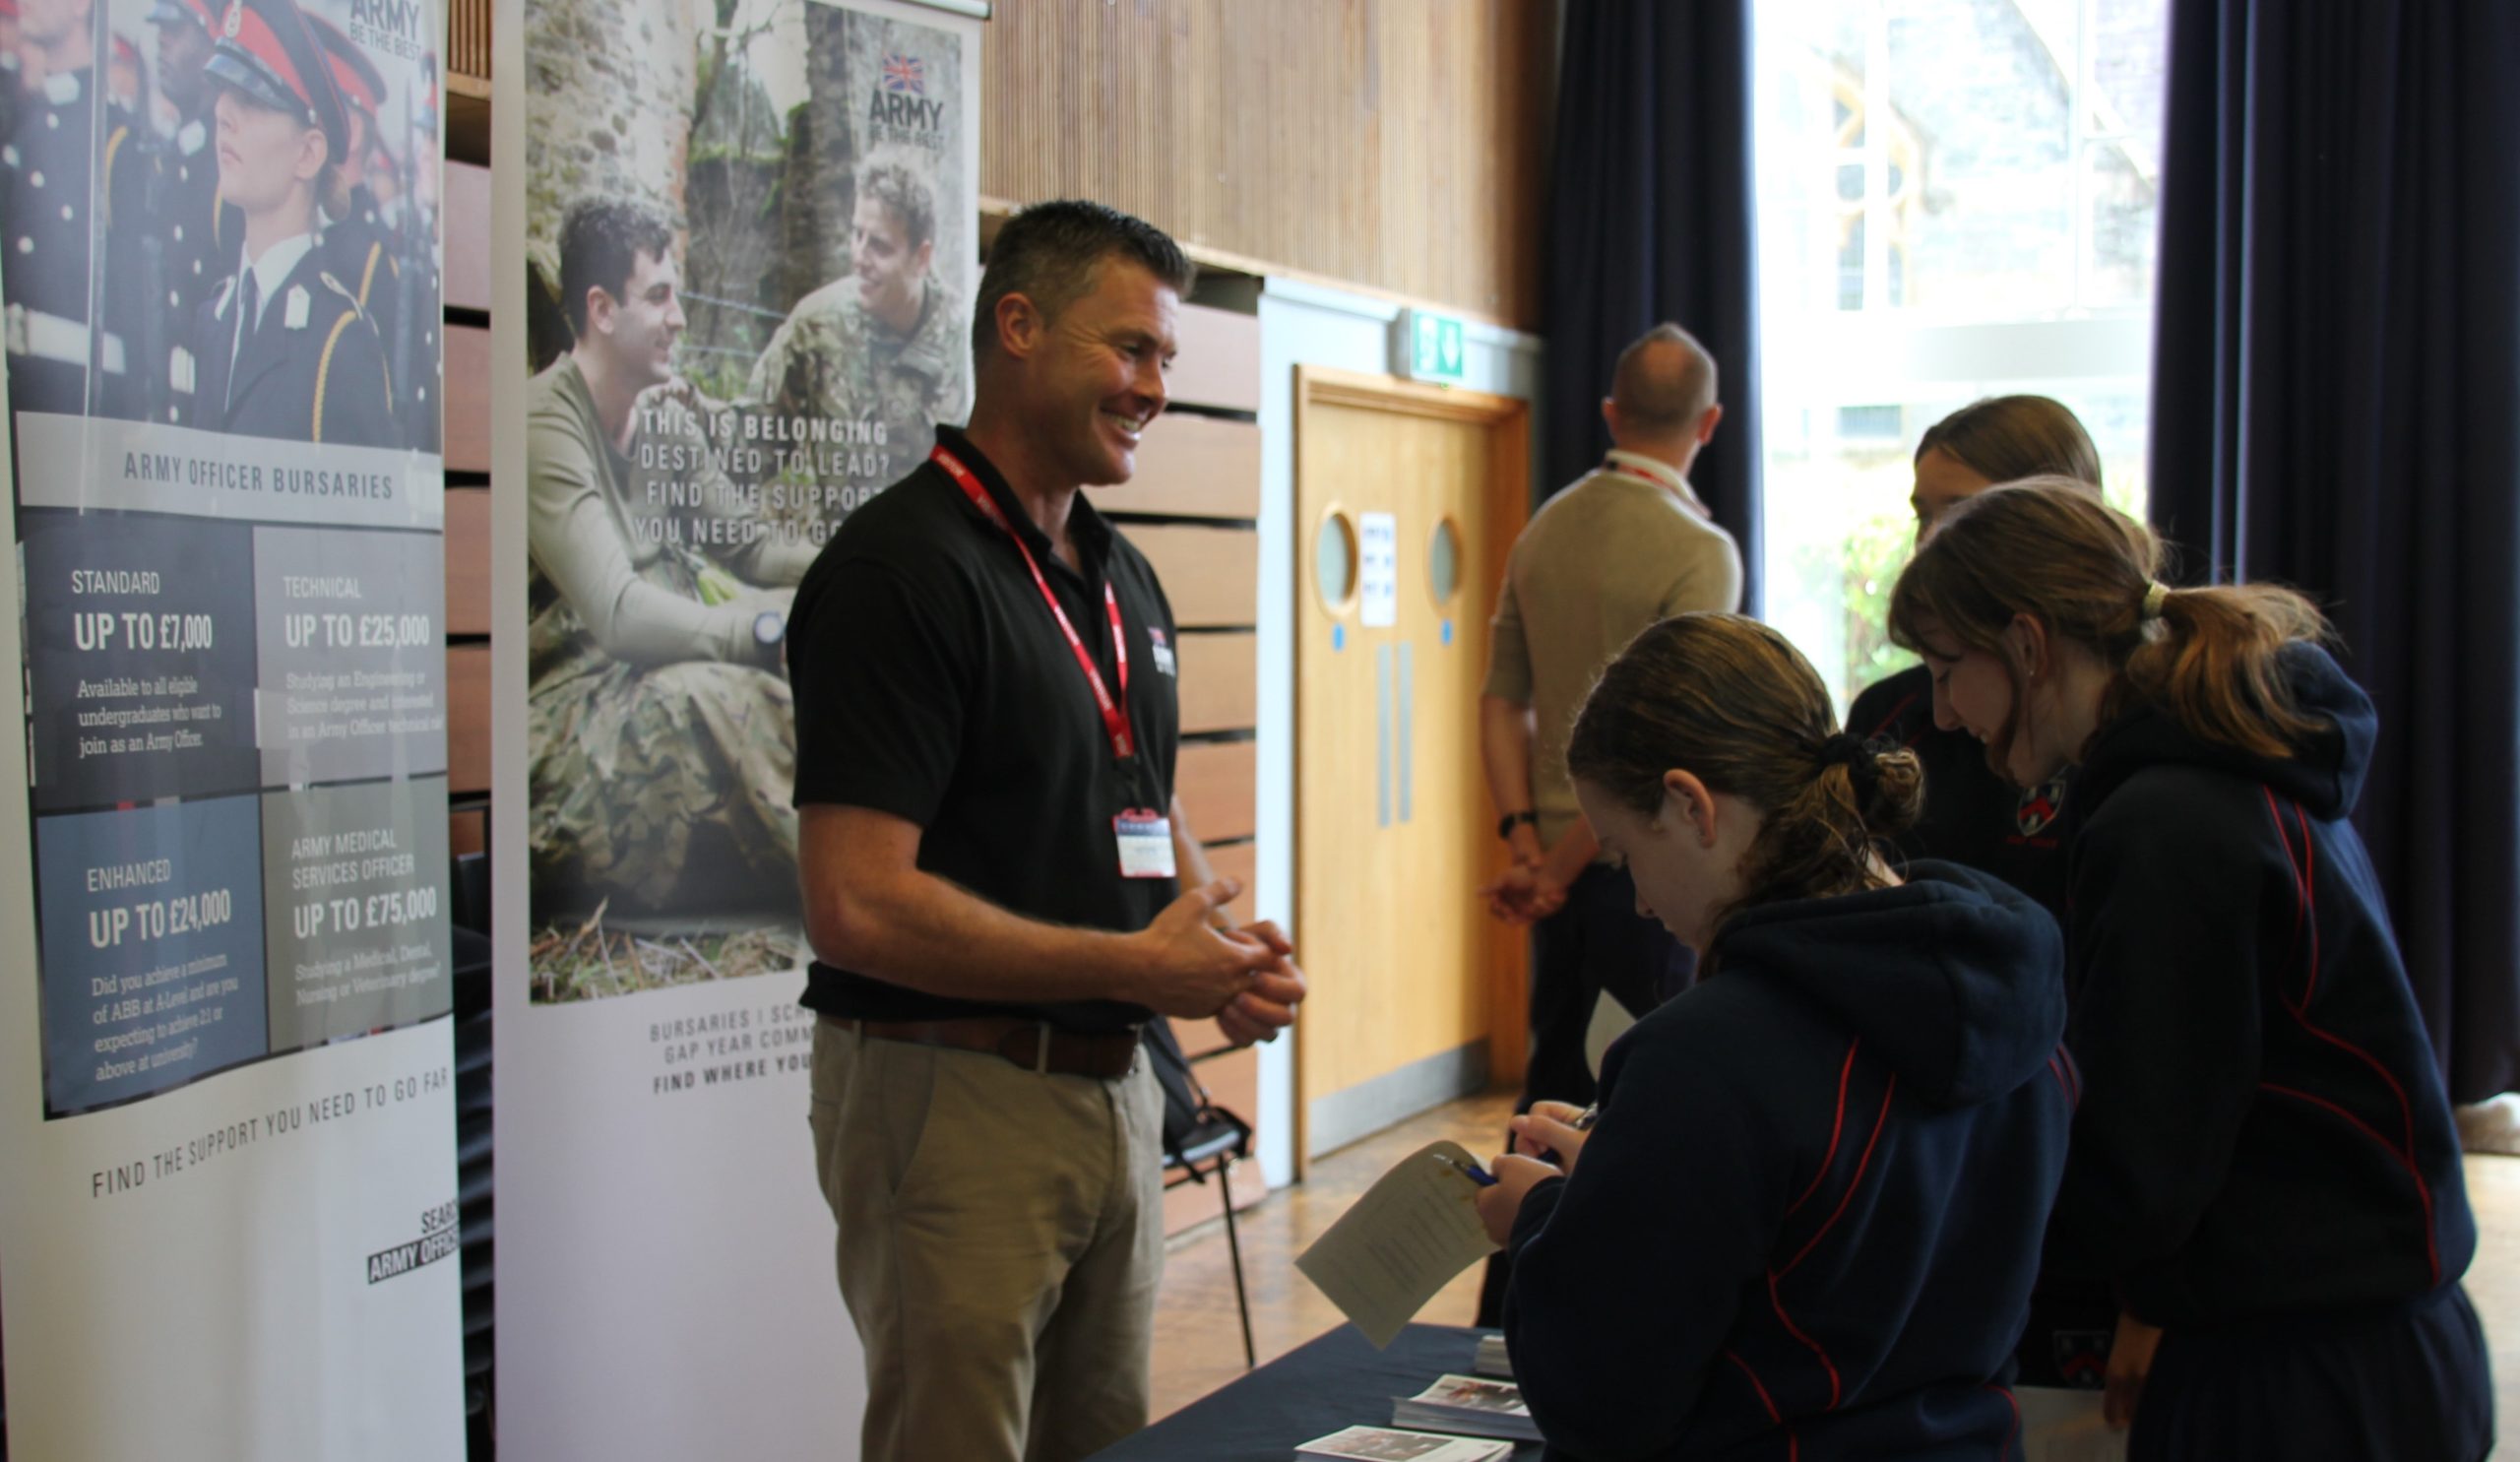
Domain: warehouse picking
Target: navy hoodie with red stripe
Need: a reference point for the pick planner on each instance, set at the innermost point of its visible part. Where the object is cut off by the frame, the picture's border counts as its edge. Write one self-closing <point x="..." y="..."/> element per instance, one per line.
<point x="1806" y="1224"/>
<point x="1970" y="816"/>
<point x="2265" y="1133"/>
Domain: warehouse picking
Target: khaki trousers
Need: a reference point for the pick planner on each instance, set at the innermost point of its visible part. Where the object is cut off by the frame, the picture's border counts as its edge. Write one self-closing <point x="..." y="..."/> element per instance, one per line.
<point x="1001" y="1235"/>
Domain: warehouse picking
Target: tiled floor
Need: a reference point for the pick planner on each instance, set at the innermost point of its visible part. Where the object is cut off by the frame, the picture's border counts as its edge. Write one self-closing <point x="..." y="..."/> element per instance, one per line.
<point x="1198" y="1347"/>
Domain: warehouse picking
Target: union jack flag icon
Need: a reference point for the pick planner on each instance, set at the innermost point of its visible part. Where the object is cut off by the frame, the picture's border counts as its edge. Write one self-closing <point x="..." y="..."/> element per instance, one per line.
<point x="906" y="73"/>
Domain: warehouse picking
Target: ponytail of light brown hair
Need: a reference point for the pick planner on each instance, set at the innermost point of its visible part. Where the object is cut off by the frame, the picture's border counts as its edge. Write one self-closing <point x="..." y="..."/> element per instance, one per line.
<point x="1732" y="702"/>
<point x="2046" y="548"/>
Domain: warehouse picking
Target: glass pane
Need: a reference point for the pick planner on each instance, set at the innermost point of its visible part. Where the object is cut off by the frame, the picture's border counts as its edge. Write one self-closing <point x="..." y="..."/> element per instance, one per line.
<point x="2126" y="213"/>
<point x="2130" y="65"/>
<point x="1932" y="176"/>
<point x="1334" y="561"/>
<point x="1983" y="98"/>
<point x="1443" y="562"/>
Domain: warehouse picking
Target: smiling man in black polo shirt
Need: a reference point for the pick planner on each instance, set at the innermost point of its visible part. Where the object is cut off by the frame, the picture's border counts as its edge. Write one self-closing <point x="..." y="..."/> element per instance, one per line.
<point x="989" y="842"/>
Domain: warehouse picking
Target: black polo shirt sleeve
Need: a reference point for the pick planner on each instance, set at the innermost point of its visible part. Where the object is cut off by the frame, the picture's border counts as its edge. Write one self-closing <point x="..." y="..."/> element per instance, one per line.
<point x="881" y="669"/>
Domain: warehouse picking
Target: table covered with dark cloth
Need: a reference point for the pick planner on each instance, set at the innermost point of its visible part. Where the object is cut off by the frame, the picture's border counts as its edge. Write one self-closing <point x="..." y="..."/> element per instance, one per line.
<point x="1339" y="1380"/>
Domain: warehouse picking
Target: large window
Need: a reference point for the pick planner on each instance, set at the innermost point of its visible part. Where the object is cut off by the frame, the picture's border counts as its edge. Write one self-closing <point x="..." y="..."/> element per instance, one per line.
<point x="1957" y="199"/>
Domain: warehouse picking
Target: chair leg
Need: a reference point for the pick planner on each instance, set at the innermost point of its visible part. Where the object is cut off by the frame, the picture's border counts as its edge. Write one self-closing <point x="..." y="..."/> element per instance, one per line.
<point x="1234" y="1241"/>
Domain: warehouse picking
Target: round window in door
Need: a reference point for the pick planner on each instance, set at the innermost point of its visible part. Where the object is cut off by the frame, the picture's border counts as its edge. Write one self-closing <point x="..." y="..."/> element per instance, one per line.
<point x="1334" y="561"/>
<point x="1443" y="563"/>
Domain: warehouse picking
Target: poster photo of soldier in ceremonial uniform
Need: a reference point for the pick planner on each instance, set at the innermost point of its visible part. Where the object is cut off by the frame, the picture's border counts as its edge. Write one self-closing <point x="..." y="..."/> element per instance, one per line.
<point x="165" y="162"/>
<point x="750" y="300"/>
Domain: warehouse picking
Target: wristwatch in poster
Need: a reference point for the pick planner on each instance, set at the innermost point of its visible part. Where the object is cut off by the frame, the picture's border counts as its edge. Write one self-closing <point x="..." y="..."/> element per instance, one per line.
<point x="1513" y="820"/>
<point x="769" y="627"/>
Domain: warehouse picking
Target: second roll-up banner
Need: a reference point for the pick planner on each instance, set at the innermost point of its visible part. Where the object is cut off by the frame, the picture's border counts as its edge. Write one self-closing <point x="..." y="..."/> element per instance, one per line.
<point x="738" y="249"/>
<point x="228" y="1215"/>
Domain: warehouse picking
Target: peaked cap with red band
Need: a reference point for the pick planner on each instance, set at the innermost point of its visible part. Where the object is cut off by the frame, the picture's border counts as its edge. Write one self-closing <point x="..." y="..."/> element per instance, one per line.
<point x="267" y="54"/>
<point x="173" y="12"/>
<point x="361" y="84"/>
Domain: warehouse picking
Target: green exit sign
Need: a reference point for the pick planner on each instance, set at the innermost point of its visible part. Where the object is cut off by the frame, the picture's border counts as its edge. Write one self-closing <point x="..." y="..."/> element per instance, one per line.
<point x="1428" y="346"/>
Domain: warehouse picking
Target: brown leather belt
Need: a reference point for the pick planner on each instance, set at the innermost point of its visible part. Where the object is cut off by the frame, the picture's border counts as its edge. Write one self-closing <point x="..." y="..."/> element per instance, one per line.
<point x="1033" y="1045"/>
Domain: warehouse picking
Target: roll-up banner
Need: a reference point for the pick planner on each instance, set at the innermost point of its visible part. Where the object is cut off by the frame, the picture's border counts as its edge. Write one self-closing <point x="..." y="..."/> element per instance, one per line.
<point x="739" y="242"/>
<point x="228" y="1190"/>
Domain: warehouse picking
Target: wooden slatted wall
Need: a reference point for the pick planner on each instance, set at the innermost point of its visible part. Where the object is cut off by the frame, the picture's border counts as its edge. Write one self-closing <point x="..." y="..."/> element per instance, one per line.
<point x="1193" y="510"/>
<point x="1399" y="143"/>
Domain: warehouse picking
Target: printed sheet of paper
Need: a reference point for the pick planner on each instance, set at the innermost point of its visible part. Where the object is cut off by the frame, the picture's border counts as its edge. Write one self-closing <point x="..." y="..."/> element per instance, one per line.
<point x="1611" y="1021"/>
<point x="1408" y="1237"/>
<point x="2062" y="1426"/>
<point x="1377" y="570"/>
<point x="1388" y="1444"/>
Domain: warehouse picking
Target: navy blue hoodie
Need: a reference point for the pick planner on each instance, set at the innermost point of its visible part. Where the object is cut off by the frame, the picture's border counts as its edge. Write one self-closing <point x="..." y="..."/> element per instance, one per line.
<point x="1972" y="816"/>
<point x="1808" y="1219"/>
<point x="2265" y="1133"/>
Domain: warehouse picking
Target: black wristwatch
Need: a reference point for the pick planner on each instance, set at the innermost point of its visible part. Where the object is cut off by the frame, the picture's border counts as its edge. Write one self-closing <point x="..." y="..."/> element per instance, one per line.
<point x="1512" y="820"/>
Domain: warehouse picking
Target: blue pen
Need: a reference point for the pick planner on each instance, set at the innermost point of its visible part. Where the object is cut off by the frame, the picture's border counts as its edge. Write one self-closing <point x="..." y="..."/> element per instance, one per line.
<point x="1471" y="1170"/>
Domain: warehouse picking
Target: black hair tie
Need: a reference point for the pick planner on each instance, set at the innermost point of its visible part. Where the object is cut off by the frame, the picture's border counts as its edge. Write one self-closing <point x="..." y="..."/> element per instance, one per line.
<point x="1852" y="753"/>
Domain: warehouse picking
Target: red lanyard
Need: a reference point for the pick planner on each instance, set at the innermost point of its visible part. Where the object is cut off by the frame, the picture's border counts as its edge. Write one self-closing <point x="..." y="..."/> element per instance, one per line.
<point x="1688" y="500"/>
<point x="1115" y="716"/>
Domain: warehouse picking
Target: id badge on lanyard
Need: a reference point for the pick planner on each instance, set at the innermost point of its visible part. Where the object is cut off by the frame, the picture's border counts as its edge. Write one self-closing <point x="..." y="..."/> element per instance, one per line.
<point x="1146" y="843"/>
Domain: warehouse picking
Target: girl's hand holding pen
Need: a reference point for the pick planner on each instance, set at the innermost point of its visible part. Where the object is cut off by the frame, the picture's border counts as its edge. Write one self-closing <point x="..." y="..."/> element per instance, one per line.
<point x="1502" y="1200"/>
<point x="1554" y="1130"/>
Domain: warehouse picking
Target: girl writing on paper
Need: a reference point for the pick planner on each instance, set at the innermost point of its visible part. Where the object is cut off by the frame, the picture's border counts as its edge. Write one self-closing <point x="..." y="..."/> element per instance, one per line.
<point x="1811" y="1209"/>
<point x="2264" y="1164"/>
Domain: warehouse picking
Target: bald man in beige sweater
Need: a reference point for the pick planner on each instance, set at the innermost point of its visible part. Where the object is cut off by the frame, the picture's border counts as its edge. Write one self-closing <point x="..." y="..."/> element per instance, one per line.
<point x="1621" y="548"/>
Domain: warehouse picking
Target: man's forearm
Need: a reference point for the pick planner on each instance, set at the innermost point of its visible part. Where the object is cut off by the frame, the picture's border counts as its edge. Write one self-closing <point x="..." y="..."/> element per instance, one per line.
<point x="929" y="934"/>
<point x="1572" y="853"/>
<point x="1505" y="736"/>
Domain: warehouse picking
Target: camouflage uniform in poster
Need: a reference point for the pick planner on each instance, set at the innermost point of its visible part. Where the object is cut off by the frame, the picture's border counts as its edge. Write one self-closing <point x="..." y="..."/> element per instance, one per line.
<point x="833" y="361"/>
<point x="658" y="717"/>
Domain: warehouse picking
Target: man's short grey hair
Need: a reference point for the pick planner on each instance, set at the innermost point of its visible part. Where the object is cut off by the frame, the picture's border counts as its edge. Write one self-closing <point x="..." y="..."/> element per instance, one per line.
<point x="1665" y="381"/>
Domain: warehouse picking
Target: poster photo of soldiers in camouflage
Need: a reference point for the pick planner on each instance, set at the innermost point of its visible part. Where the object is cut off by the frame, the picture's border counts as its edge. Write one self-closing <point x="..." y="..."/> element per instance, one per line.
<point x="751" y="248"/>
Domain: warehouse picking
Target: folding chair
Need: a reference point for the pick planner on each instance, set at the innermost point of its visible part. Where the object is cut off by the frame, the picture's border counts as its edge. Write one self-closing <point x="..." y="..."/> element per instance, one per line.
<point x="1205" y="1141"/>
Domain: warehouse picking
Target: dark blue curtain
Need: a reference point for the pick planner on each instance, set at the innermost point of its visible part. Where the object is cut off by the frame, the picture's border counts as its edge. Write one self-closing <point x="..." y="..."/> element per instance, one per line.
<point x="1650" y="220"/>
<point x="2336" y="406"/>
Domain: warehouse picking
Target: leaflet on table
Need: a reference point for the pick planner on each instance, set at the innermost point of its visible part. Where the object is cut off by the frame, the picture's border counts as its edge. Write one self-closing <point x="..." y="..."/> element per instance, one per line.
<point x="1387" y="1445"/>
<point x="1468" y="1403"/>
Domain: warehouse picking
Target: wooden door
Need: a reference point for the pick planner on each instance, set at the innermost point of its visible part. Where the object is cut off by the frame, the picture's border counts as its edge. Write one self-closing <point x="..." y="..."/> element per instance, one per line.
<point x="1420" y="491"/>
